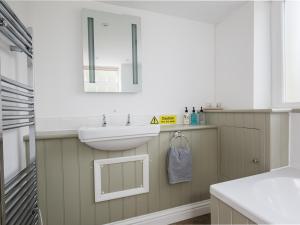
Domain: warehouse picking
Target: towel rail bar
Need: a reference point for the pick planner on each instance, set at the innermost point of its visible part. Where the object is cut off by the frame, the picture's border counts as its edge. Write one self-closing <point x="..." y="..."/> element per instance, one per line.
<point x="16" y="83"/>
<point x="15" y="197"/>
<point x="24" y="201"/>
<point x="17" y="206"/>
<point x="16" y="100"/>
<point x="23" y="180"/>
<point x="17" y="117"/>
<point x="13" y="40"/>
<point x="19" y="217"/>
<point x="17" y="108"/>
<point x="17" y="92"/>
<point x="32" y="220"/>
<point x="12" y="30"/>
<point x="18" y="196"/>
<point x="17" y="125"/>
<point x="23" y="172"/>
<point x="12" y="17"/>
<point x="6" y="32"/>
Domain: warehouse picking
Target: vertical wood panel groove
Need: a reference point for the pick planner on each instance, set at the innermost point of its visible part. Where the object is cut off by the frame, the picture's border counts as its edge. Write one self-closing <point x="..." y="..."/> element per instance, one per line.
<point x="63" y="180"/>
<point x="224" y="214"/>
<point x="87" y="191"/>
<point x="159" y="175"/>
<point x="46" y="183"/>
<point x="135" y="197"/>
<point x="41" y="178"/>
<point x="148" y="196"/>
<point x="76" y="166"/>
<point x="123" y="187"/>
<point x="54" y="176"/>
<point x="95" y="209"/>
<point x="109" y="203"/>
<point x="77" y="152"/>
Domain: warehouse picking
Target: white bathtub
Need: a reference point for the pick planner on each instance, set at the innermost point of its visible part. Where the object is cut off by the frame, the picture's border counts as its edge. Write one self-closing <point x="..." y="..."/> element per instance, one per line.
<point x="268" y="198"/>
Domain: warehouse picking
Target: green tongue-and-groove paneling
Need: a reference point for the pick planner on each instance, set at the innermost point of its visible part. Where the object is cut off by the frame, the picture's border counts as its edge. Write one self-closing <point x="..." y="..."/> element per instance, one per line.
<point x="66" y="183"/>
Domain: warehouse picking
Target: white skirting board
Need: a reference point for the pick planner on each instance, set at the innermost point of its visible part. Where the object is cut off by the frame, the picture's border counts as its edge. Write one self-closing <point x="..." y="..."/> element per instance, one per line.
<point x="168" y="216"/>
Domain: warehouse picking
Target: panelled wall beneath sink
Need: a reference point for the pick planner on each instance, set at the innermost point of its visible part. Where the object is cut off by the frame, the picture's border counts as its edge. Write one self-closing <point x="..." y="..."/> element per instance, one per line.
<point x="66" y="182"/>
<point x="241" y="144"/>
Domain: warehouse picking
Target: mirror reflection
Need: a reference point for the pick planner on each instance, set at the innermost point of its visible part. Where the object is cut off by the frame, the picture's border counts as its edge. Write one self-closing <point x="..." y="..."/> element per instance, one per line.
<point x="111" y="52"/>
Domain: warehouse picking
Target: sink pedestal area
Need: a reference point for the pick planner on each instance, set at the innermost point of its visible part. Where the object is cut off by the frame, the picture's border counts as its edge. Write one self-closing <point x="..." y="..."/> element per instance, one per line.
<point x="117" y="138"/>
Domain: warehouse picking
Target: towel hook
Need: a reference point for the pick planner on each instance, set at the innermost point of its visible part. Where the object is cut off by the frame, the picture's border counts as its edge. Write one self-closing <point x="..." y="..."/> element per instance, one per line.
<point x="177" y="135"/>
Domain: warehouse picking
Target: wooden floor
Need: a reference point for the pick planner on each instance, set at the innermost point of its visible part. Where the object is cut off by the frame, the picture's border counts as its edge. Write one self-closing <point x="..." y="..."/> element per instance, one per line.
<point x="205" y="219"/>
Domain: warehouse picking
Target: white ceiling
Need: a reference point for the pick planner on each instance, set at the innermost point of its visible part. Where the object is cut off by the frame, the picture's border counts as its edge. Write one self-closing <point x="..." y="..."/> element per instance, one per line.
<point x="205" y="11"/>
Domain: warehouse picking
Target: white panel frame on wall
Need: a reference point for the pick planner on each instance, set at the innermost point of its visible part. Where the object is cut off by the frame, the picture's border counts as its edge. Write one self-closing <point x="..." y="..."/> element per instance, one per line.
<point x="99" y="164"/>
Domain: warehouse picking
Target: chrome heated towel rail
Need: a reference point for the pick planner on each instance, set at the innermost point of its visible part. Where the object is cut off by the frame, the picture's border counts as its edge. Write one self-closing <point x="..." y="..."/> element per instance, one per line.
<point x="18" y="202"/>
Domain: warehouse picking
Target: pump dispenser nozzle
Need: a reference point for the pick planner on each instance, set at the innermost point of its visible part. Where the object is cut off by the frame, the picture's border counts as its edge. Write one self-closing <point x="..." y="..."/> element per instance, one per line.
<point x="194" y="119"/>
<point x="186" y="117"/>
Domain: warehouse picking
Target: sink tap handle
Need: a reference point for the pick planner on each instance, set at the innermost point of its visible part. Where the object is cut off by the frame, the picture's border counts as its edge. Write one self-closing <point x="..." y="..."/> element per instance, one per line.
<point x="104" y="120"/>
<point x="128" y="120"/>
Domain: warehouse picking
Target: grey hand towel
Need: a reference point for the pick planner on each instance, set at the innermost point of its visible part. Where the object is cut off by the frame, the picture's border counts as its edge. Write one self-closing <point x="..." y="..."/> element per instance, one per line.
<point x="179" y="162"/>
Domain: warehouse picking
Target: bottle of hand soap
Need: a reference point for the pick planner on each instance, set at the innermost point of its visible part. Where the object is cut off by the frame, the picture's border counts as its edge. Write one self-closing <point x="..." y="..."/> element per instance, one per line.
<point x="202" y="117"/>
<point x="186" y="117"/>
<point x="194" y="119"/>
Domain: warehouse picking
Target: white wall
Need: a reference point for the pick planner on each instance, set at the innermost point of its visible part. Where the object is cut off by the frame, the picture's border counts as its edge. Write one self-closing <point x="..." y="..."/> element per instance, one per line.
<point x="262" y="55"/>
<point x="243" y="58"/>
<point x="234" y="59"/>
<point x="277" y="53"/>
<point x="177" y="70"/>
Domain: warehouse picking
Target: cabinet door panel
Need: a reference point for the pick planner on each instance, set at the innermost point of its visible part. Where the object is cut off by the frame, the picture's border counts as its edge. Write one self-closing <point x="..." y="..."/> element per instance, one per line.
<point x="254" y="154"/>
<point x="232" y="151"/>
<point x="241" y="152"/>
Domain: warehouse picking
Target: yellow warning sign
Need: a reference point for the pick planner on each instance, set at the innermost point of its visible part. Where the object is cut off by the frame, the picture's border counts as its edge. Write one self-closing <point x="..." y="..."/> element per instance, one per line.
<point x="167" y="119"/>
<point x="154" y="120"/>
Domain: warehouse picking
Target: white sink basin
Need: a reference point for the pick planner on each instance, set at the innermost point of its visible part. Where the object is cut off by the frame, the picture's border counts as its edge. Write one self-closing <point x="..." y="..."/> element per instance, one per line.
<point x="117" y="138"/>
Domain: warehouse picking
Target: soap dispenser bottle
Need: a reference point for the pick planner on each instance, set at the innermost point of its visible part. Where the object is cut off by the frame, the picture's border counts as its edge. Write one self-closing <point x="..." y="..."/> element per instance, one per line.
<point x="202" y="117"/>
<point x="186" y="117"/>
<point x="194" y="119"/>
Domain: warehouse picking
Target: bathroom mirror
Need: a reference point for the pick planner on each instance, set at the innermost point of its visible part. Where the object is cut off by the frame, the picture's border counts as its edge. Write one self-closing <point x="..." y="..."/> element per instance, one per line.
<point x="111" y="52"/>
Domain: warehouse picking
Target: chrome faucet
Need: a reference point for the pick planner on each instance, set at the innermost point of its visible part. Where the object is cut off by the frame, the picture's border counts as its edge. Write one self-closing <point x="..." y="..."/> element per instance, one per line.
<point x="104" y="121"/>
<point x="128" y="120"/>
